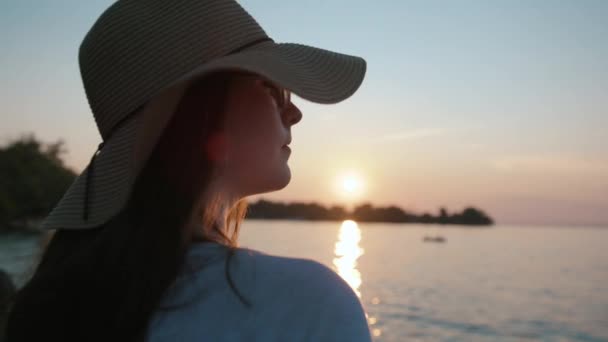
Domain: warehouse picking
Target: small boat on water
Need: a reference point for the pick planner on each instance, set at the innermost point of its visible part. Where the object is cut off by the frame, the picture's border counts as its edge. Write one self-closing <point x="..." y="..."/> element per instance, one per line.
<point x="438" y="238"/>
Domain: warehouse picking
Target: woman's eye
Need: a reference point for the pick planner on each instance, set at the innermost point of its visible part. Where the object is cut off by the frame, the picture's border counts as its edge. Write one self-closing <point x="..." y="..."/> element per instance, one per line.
<point x="276" y="94"/>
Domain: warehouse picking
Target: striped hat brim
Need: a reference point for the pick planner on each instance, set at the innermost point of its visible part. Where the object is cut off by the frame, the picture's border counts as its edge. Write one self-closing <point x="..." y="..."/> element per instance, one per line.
<point x="315" y="74"/>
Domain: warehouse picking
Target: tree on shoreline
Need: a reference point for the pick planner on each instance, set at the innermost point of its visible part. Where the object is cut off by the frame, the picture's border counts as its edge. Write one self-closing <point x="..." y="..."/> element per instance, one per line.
<point x="264" y="209"/>
<point x="33" y="178"/>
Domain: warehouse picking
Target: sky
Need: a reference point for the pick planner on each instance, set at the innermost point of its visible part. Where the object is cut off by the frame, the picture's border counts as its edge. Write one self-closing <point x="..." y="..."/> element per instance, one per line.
<point x="500" y="105"/>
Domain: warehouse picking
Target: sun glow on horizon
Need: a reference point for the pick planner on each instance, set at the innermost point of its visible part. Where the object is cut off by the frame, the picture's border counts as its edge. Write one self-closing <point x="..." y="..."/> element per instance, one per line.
<point x="350" y="185"/>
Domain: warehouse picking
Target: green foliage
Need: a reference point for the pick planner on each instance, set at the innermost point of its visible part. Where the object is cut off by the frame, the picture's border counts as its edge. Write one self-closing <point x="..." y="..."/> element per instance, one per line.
<point x="32" y="179"/>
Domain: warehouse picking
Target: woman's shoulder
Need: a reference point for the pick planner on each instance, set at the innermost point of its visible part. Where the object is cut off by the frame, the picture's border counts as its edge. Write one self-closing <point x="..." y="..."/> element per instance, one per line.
<point x="302" y="280"/>
<point x="272" y="273"/>
<point x="314" y="292"/>
<point x="295" y="272"/>
<point x="291" y="298"/>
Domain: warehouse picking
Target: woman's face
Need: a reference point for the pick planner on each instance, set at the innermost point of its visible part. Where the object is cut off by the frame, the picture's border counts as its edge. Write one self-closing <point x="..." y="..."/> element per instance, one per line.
<point x="256" y="133"/>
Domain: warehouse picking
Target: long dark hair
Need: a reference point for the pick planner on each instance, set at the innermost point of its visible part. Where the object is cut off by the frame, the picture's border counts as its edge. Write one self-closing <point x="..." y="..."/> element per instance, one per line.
<point x="105" y="283"/>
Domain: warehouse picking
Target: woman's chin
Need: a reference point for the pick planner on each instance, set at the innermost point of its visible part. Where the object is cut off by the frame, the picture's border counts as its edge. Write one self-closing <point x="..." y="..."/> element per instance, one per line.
<point x="283" y="178"/>
<point x="278" y="181"/>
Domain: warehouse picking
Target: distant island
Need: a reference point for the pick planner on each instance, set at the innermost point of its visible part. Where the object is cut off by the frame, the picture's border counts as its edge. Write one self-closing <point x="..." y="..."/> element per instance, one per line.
<point x="264" y="209"/>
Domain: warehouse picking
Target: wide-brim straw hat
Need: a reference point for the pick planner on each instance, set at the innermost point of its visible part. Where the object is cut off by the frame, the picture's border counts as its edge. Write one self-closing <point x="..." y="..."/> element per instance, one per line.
<point x="137" y="60"/>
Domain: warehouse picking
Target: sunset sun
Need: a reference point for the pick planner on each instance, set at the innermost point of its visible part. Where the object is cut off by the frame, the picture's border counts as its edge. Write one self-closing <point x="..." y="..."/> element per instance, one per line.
<point x="350" y="185"/>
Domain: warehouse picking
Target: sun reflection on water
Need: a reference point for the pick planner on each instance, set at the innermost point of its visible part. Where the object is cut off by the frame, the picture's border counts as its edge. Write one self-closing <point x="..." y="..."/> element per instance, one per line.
<point x="347" y="252"/>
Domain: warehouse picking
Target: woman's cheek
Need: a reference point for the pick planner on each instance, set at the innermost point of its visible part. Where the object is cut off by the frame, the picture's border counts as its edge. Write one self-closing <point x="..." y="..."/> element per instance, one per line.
<point x="250" y="155"/>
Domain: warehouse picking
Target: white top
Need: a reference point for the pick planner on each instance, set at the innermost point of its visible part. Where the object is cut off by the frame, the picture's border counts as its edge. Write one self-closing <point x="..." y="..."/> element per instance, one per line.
<point x="292" y="299"/>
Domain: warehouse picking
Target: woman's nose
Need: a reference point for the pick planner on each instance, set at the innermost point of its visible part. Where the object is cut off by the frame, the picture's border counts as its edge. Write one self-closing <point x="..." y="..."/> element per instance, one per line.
<point x="292" y="114"/>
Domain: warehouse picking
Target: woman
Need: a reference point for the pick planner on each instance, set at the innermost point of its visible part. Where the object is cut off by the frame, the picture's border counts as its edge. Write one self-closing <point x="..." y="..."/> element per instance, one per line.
<point x="192" y="99"/>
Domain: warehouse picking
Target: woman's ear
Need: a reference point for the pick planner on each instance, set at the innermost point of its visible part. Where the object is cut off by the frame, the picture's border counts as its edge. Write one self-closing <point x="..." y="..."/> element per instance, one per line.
<point x="216" y="147"/>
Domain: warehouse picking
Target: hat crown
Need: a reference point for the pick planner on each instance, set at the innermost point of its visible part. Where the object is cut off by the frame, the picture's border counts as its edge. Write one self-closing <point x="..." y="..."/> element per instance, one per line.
<point x="138" y="47"/>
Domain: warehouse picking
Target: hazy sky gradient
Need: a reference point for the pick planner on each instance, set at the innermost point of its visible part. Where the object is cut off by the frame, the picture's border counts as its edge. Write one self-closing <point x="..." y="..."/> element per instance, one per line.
<point x="498" y="104"/>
